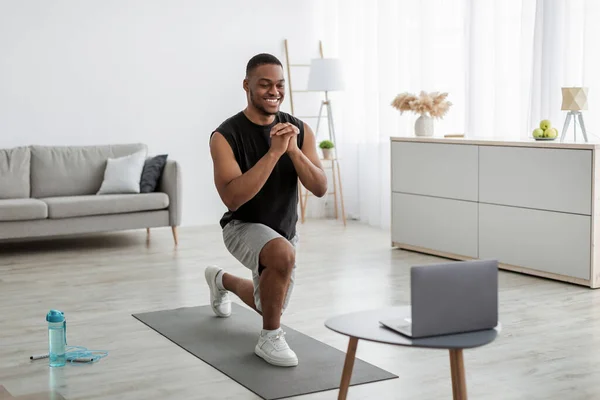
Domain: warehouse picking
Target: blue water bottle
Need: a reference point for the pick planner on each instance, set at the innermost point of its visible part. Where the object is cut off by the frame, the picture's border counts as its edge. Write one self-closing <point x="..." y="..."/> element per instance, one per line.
<point x="57" y="338"/>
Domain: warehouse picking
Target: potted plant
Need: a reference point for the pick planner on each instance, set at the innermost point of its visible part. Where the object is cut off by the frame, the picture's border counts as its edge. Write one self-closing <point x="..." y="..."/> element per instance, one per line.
<point x="327" y="149"/>
<point x="428" y="105"/>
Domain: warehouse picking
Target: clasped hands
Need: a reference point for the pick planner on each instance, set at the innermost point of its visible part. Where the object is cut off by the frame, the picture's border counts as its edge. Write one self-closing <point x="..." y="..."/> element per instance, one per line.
<point x="284" y="138"/>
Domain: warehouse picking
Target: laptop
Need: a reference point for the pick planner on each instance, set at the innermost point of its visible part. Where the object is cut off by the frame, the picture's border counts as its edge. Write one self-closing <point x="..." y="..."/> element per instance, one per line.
<point x="450" y="298"/>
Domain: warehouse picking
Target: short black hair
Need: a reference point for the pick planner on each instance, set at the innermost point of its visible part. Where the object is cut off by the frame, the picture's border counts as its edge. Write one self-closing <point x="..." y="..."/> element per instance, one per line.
<point x="261" y="59"/>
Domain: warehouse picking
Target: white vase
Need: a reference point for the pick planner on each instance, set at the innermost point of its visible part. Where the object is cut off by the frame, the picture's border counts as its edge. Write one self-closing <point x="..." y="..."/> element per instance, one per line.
<point x="327" y="154"/>
<point x="424" y="126"/>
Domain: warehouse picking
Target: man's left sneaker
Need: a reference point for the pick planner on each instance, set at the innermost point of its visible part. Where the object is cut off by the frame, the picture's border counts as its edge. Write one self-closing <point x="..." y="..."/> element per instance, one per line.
<point x="273" y="348"/>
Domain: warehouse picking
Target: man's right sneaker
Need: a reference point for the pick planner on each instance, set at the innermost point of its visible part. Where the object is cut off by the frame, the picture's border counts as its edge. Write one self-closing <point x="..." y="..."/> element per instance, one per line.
<point x="273" y="348"/>
<point x="219" y="298"/>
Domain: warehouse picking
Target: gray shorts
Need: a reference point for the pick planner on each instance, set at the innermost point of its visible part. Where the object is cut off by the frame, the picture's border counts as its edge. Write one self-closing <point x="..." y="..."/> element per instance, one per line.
<point x="245" y="240"/>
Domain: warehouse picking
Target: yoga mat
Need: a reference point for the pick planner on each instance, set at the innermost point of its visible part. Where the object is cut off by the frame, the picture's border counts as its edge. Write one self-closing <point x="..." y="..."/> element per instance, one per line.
<point x="227" y="344"/>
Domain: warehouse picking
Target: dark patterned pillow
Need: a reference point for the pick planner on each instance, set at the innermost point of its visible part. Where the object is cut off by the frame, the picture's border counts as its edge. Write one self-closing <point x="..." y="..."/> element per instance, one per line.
<point x="153" y="169"/>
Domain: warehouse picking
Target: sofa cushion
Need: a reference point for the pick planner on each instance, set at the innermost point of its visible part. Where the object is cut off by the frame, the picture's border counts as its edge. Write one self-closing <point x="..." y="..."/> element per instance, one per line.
<point x="14" y="173"/>
<point x="80" y="206"/>
<point x="72" y="170"/>
<point x="123" y="174"/>
<point x="152" y="172"/>
<point x="22" y="209"/>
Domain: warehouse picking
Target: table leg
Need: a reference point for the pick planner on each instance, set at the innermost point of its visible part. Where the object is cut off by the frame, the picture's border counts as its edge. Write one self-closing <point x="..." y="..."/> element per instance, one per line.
<point x="457" y="369"/>
<point x="348" y="365"/>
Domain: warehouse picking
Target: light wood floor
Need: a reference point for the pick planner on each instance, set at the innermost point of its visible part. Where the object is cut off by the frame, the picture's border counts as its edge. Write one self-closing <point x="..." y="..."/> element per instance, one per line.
<point x="549" y="347"/>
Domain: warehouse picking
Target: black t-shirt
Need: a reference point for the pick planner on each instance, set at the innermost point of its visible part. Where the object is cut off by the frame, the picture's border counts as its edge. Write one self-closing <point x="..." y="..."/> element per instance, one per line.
<point x="276" y="204"/>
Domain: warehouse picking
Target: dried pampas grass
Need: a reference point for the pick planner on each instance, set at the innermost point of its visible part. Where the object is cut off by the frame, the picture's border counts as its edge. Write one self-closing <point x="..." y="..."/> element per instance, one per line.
<point x="434" y="103"/>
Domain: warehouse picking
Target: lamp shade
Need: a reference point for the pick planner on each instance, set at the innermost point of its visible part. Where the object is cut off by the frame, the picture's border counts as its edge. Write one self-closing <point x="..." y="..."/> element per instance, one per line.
<point x="325" y="75"/>
<point x="574" y="98"/>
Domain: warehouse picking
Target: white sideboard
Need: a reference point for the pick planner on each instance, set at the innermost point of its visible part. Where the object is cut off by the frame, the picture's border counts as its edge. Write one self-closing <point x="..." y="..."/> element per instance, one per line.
<point x="531" y="205"/>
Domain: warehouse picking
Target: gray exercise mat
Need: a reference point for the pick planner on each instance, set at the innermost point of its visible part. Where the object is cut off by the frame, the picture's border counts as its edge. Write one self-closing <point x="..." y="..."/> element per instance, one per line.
<point x="227" y="344"/>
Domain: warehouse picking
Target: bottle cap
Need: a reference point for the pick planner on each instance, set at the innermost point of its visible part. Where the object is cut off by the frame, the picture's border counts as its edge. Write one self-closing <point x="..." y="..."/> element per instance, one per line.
<point x="55" y="316"/>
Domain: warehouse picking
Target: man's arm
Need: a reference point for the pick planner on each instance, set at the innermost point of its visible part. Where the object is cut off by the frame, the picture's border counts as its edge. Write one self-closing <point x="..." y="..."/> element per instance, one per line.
<point x="234" y="187"/>
<point x="307" y="163"/>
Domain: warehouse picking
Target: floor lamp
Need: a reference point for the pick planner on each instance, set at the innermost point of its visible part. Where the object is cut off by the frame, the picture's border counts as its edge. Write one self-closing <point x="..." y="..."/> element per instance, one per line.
<point x="325" y="76"/>
<point x="574" y="99"/>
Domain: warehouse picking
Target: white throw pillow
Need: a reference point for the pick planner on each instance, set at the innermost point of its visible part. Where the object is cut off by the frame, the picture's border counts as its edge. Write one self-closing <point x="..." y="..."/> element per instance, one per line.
<point x="123" y="174"/>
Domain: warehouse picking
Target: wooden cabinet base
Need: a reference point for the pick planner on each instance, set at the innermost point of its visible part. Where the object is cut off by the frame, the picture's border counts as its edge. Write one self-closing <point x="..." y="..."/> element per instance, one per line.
<point x="507" y="267"/>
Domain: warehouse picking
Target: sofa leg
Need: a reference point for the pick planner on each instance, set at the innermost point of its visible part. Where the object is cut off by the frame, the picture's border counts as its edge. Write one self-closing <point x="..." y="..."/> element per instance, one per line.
<point x="174" y="229"/>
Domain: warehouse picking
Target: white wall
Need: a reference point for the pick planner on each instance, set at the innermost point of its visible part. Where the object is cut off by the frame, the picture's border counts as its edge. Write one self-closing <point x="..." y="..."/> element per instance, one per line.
<point x="161" y="72"/>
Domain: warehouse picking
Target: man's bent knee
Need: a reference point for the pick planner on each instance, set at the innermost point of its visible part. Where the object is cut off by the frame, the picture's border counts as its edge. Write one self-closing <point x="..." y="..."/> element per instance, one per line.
<point x="278" y="255"/>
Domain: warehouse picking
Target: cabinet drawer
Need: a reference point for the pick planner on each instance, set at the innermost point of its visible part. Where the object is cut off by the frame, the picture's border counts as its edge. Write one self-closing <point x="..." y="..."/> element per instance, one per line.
<point x="543" y="240"/>
<point x="540" y="178"/>
<point x="439" y="224"/>
<point x="435" y="169"/>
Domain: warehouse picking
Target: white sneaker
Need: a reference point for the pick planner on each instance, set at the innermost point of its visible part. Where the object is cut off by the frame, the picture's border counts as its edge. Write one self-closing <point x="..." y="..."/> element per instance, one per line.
<point x="273" y="348"/>
<point x="219" y="298"/>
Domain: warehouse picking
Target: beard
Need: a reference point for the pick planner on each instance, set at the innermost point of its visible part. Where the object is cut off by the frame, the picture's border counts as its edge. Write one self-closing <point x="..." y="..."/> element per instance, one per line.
<point x="256" y="103"/>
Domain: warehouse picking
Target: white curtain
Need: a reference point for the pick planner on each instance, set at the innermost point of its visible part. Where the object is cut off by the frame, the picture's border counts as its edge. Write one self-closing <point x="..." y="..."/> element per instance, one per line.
<point x="502" y="62"/>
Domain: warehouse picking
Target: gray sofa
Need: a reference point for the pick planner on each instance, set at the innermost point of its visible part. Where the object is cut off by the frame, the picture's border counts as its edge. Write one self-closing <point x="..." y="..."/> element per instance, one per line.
<point x="51" y="191"/>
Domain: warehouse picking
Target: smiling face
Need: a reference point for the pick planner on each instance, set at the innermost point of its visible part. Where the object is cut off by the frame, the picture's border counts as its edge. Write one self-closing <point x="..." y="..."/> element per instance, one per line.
<point x="265" y="88"/>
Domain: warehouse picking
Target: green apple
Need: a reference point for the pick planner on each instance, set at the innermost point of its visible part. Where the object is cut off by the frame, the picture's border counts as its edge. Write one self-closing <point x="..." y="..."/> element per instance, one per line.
<point x="538" y="133"/>
<point x="545" y="124"/>
<point x="551" y="133"/>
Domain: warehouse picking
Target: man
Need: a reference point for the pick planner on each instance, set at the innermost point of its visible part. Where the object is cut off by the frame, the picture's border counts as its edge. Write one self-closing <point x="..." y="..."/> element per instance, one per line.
<point x="258" y="156"/>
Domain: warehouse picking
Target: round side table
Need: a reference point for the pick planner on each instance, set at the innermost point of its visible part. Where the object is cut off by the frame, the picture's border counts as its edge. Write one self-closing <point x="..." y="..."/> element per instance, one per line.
<point x="365" y="325"/>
